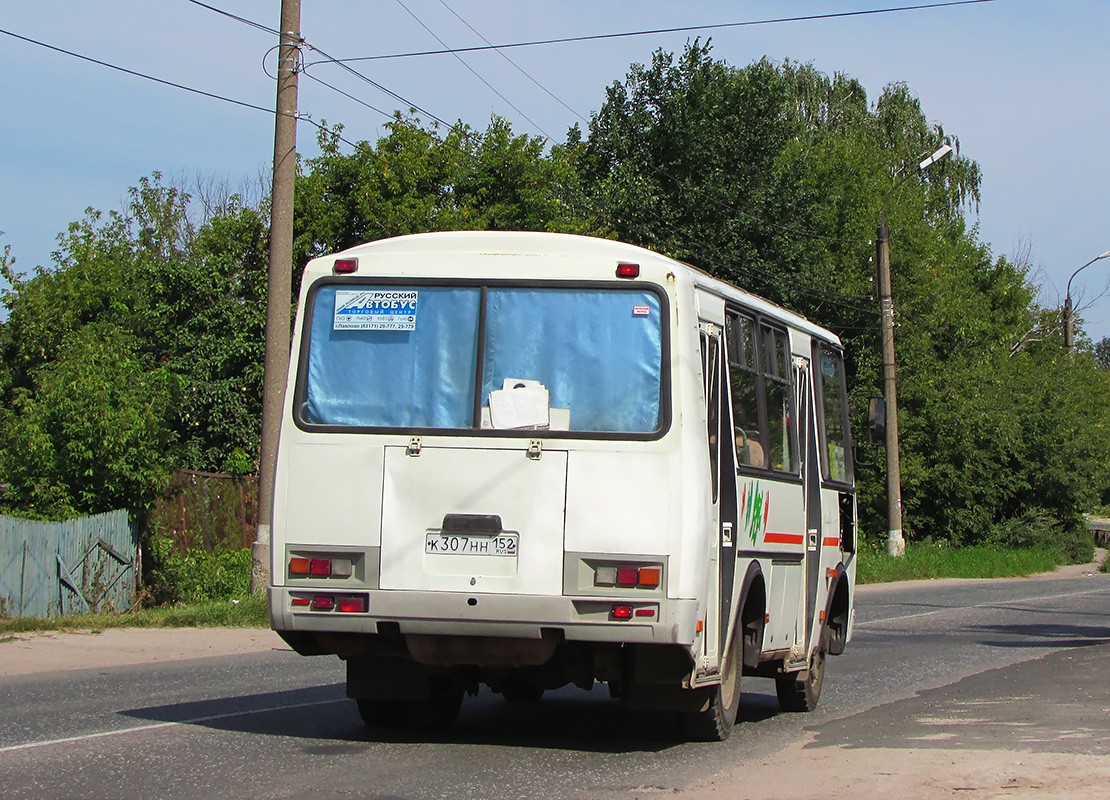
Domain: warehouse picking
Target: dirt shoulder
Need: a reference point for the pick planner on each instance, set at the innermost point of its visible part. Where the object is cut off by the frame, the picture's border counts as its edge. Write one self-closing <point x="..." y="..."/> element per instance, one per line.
<point x="27" y="653"/>
<point x="842" y="773"/>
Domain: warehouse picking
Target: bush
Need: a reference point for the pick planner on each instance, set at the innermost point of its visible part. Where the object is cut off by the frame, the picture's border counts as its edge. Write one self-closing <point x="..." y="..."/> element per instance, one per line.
<point x="195" y="575"/>
<point x="1038" y="528"/>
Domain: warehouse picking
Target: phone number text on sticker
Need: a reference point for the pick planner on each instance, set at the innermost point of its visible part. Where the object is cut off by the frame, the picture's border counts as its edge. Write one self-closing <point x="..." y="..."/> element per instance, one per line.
<point x="375" y="310"/>
<point x="458" y="544"/>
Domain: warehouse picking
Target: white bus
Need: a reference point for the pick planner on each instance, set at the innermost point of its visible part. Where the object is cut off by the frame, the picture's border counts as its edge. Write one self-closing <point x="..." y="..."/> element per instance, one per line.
<point x="527" y="460"/>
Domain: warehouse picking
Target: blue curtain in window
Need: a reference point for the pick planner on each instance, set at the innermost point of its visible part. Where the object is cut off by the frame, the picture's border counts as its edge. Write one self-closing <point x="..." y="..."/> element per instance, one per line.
<point x="422" y="378"/>
<point x="598" y="352"/>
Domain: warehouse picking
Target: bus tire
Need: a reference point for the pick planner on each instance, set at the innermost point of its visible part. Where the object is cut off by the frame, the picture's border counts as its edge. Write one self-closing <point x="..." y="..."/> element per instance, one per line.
<point x="379" y="713"/>
<point x="715" y="721"/>
<point x="438" y="711"/>
<point x="798" y="694"/>
<point x="522" y="692"/>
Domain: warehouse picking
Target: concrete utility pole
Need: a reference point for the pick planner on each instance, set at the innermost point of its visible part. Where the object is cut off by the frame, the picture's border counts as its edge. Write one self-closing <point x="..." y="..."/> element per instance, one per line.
<point x="279" y="283"/>
<point x="895" y="543"/>
<point x="1069" y="315"/>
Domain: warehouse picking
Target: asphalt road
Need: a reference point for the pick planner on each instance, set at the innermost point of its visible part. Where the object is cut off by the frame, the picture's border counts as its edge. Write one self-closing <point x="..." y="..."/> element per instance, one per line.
<point x="985" y="665"/>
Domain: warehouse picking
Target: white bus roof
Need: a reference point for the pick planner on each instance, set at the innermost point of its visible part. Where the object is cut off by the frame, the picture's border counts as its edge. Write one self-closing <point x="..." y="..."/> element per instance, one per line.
<point x="557" y="245"/>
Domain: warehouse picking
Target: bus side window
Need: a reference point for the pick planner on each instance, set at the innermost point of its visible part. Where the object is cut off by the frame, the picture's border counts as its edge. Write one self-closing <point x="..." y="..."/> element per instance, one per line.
<point x="710" y="359"/>
<point x="744" y="383"/>
<point x="777" y="382"/>
<point x="834" y="427"/>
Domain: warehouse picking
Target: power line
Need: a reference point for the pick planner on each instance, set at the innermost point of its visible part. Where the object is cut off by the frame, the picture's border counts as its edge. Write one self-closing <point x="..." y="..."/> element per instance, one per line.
<point x="513" y="63"/>
<point x="685" y="29"/>
<point x="162" y="81"/>
<point x="349" y="96"/>
<point x="236" y="17"/>
<point x="327" y="59"/>
<point x="473" y="71"/>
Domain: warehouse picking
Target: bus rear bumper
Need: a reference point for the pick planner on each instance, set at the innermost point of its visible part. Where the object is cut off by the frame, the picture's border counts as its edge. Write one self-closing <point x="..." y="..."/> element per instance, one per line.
<point x="584" y="619"/>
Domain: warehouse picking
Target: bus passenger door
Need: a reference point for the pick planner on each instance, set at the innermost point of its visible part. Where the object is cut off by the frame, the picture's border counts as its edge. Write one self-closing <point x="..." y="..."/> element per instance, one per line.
<point x="811" y="489"/>
<point x="722" y="464"/>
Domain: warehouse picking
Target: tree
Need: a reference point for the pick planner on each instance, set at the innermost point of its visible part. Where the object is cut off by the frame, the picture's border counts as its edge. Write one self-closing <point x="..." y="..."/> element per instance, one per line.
<point x="1102" y="352"/>
<point x="416" y="179"/>
<point x="136" y="354"/>
<point x="93" y="436"/>
<point x="771" y="176"/>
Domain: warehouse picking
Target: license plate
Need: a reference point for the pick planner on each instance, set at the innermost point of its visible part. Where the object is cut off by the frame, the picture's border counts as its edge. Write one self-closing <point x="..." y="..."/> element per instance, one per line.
<point x="470" y="544"/>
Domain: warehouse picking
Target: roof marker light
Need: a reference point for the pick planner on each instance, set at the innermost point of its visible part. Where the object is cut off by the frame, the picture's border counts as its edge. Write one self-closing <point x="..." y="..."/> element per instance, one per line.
<point x="628" y="270"/>
<point x="345" y="266"/>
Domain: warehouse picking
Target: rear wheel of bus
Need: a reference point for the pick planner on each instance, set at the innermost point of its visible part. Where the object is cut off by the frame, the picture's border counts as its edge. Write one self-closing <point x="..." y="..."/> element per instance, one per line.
<point x="439" y="710"/>
<point x="715" y="721"/>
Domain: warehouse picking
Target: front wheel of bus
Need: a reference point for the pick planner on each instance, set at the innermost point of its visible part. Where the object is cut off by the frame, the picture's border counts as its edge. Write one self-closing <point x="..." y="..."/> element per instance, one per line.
<point x="802" y="694"/>
<point x="715" y="721"/>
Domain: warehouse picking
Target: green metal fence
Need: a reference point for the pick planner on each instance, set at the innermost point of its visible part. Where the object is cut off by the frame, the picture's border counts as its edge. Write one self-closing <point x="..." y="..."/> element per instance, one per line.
<point x="50" y="569"/>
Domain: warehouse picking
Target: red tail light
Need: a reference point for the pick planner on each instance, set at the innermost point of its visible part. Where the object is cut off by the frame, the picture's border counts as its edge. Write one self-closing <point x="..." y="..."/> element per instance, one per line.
<point x="628" y="576"/>
<point x="323" y="602"/>
<point x="353" y="604"/>
<point x="622" y="612"/>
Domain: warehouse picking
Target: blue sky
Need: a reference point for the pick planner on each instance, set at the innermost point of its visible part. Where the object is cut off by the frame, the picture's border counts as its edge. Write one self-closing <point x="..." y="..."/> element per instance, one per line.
<point x="1021" y="83"/>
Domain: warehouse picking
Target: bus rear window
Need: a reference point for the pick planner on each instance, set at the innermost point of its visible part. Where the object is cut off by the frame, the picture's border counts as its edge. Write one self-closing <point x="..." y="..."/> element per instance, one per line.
<point x="463" y="357"/>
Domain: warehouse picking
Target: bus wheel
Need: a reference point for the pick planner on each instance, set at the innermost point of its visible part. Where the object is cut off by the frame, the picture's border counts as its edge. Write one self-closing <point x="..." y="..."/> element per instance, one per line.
<point x="379" y="713"/>
<point x="440" y="709"/>
<point x="715" y="721"/>
<point x="521" y="692"/>
<point x="802" y="694"/>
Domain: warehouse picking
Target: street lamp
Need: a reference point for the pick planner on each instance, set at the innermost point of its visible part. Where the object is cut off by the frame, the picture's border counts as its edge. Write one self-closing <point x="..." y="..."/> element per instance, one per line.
<point x="1069" y="317"/>
<point x="895" y="543"/>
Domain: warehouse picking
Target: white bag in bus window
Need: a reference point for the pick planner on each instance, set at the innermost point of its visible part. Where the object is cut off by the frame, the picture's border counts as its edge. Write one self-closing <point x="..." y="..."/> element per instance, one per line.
<point x="520" y="403"/>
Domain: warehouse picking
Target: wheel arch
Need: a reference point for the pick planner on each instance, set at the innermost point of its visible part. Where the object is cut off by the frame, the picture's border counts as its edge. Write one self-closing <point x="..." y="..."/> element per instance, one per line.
<point x="752" y="615"/>
<point x="837" y="611"/>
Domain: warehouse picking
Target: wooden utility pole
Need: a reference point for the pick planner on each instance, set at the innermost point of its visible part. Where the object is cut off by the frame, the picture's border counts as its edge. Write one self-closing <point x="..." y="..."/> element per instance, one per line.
<point x="895" y="543"/>
<point x="279" y="283"/>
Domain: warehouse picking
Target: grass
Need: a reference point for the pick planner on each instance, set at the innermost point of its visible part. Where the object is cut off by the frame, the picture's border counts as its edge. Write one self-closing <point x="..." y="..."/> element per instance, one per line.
<point x="247" y="612"/>
<point x="925" y="561"/>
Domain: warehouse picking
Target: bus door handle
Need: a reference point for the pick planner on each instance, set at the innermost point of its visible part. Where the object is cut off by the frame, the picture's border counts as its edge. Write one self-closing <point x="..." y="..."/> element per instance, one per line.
<point x="726" y="534"/>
